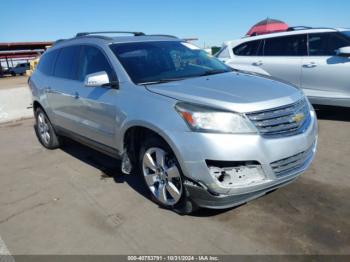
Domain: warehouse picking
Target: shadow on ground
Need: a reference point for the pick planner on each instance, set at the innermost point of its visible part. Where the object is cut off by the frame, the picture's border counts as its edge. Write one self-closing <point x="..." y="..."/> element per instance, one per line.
<point x="111" y="168"/>
<point x="333" y="113"/>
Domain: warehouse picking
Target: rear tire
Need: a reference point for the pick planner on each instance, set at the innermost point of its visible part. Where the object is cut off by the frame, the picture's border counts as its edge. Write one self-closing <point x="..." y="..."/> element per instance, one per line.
<point x="45" y="131"/>
<point x="163" y="177"/>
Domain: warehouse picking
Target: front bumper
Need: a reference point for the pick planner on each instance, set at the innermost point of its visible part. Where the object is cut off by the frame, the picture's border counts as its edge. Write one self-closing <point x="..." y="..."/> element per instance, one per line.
<point x="203" y="198"/>
<point x="194" y="149"/>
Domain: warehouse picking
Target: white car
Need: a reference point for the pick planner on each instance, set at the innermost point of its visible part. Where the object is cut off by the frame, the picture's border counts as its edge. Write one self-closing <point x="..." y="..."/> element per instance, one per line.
<point x="314" y="59"/>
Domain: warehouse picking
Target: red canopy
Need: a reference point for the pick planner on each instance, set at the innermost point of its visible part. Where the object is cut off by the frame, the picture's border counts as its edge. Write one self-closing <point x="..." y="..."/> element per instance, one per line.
<point x="267" y="26"/>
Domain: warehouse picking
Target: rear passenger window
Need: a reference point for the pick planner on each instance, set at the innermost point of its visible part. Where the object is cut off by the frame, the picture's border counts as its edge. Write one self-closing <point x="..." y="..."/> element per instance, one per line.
<point x="92" y="60"/>
<point x="67" y="63"/>
<point x="47" y="62"/>
<point x="286" y="46"/>
<point x="326" y="44"/>
<point x="247" y="49"/>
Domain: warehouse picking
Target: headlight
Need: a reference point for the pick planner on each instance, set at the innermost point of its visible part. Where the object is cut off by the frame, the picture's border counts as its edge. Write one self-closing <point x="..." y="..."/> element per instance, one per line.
<point x="204" y="119"/>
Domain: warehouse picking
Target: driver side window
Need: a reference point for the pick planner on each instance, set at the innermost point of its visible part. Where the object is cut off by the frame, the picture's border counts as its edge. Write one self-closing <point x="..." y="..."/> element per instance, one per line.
<point x="326" y="44"/>
<point x="92" y="60"/>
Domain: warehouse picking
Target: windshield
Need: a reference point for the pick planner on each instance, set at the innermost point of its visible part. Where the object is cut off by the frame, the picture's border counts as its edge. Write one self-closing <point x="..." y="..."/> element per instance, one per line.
<point x="347" y="33"/>
<point x="154" y="62"/>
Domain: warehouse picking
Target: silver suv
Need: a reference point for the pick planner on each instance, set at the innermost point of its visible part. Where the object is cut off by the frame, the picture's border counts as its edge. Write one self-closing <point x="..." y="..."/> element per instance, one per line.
<point x="198" y="133"/>
<point x="314" y="59"/>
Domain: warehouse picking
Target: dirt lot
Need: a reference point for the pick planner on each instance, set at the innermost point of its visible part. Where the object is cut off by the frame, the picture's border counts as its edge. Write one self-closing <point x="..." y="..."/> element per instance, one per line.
<point x="13" y="82"/>
<point x="74" y="201"/>
<point x="15" y="99"/>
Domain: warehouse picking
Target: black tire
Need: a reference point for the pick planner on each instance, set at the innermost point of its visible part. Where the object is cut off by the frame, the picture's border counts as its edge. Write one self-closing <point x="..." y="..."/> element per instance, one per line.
<point x="184" y="206"/>
<point x="52" y="141"/>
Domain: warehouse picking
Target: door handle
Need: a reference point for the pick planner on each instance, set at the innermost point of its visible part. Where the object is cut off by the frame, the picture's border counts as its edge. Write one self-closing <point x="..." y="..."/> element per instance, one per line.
<point x="76" y="95"/>
<point x="310" y="65"/>
<point x="258" y="63"/>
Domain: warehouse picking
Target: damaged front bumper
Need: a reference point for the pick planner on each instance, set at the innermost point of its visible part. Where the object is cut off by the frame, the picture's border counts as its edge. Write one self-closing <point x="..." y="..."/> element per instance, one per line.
<point x="206" y="199"/>
<point x="224" y="171"/>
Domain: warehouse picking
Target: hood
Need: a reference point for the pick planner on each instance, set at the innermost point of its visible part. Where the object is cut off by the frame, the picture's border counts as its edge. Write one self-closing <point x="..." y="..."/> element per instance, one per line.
<point x="234" y="91"/>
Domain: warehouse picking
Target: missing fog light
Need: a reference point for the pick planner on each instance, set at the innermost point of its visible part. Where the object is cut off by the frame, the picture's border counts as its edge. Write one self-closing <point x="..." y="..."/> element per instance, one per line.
<point x="238" y="175"/>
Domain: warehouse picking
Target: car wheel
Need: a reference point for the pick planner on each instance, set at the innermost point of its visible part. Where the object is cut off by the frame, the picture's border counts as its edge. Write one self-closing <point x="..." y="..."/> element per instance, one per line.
<point x="163" y="177"/>
<point x="44" y="130"/>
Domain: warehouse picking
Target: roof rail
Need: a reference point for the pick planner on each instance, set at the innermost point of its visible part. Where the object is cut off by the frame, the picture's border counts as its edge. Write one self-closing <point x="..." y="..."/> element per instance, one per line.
<point x="109" y="32"/>
<point x="294" y="28"/>
<point x="171" y="36"/>
<point x="58" y="41"/>
<point x="92" y="34"/>
<point x="331" y="28"/>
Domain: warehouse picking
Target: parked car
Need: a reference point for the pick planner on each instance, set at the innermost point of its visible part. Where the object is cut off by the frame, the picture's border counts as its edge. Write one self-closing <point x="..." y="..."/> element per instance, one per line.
<point x="198" y="133"/>
<point x="19" y="69"/>
<point x="316" y="60"/>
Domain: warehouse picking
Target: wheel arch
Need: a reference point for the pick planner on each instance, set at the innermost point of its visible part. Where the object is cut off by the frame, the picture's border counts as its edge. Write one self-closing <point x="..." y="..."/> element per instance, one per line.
<point x="36" y="105"/>
<point x="134" y="135"/>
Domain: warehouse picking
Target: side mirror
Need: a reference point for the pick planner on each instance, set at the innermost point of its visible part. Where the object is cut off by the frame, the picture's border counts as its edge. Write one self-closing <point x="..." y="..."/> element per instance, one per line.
<point x="99" y="79"/>
<point x="344" y="51"/>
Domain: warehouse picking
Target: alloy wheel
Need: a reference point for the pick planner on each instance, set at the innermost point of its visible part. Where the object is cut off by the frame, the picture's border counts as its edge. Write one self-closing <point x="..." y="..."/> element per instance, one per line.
<point x="162" y="176"/>
<point x="44" y="128"/>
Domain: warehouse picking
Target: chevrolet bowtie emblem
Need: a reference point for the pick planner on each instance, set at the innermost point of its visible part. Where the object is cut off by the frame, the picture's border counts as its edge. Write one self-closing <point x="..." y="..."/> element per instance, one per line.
<point x="298" y="117"/>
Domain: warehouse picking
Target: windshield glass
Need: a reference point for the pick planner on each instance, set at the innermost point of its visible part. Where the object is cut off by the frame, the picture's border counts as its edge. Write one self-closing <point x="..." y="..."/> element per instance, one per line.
<point x="147" y="62"/>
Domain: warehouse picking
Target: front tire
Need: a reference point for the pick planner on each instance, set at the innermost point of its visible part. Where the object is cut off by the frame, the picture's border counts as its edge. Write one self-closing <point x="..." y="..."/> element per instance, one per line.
<point x="45" y="131"/>
<point x="162" y="175"/>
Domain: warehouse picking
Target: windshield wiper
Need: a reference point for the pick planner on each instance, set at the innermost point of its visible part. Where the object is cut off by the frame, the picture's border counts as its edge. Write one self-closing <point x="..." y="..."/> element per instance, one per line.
<point x="206" y="73"/>
<point x="214" y="72"/>
<point x="161" y="81"/>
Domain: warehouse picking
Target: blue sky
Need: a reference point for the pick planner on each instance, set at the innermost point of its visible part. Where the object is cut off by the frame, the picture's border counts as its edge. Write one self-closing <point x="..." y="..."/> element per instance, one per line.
<point x="211" y="21"/>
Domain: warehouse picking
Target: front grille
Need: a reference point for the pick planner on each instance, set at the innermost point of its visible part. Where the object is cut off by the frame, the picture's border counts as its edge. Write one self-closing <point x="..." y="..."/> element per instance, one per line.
<point x="284" y="166"/>
<point x="282" y="121"/>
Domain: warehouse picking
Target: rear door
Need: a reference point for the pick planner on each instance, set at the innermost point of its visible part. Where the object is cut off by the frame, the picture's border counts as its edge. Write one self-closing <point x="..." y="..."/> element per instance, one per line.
<point x="64" y="87"/>
<point x="324" y="74"/>
<point x="45" y="80"/>
<point x="247" y="57"/>
<point x="282" y="57"/>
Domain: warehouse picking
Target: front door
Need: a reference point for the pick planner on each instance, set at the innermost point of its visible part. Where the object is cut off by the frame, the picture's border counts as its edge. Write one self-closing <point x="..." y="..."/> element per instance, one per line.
<point x="96" y="106"/>
<point x="324" y="74"/>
